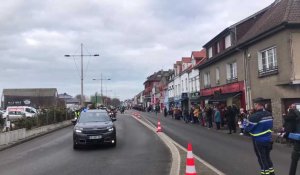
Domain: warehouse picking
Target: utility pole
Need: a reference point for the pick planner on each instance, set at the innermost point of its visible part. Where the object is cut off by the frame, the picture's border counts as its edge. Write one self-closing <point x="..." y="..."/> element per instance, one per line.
<point x="81" y="76"/>
<point x="101" y="79"/>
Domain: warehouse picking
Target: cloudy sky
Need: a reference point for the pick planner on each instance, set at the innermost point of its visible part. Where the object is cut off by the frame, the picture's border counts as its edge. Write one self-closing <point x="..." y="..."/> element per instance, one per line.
<point x="133" y="38"/>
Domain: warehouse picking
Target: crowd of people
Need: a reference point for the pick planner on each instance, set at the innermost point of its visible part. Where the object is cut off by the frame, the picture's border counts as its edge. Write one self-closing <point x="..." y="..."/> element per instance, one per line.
<point x="229" y="117"/>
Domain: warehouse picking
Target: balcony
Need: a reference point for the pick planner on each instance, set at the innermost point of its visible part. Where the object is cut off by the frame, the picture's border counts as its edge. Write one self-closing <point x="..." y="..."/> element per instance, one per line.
<point x="232" y="80"/>
<point x="268" y="71"/>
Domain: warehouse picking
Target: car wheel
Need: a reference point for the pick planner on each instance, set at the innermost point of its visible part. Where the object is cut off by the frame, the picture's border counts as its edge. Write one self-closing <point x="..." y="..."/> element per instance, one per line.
<point x="75" y="146"/>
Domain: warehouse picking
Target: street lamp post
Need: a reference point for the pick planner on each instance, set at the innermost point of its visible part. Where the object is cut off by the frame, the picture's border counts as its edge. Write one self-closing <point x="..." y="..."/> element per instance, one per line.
<point x="101" y="79"/>
<point x="81" y="77"/>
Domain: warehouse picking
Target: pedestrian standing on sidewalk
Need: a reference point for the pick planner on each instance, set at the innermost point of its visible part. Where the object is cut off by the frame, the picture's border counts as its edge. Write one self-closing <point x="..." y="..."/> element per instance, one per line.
<point x="217" y="118"/>
<point x="290" y="122"/>
<point x="196" y="115"/>
<point x="209" y="116"/>
<point x="191" y="117"/>
<point x="165" y="111"/>
<point x="186" y="115"/>
<point x="230" y="115"/>
<point x="259" y="126"/>
<point x="241" y="120"/>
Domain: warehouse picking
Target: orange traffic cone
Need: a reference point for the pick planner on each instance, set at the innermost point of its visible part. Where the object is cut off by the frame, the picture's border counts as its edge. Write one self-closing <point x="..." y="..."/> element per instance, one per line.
<point x="190" y="163"/>
<point x="158" y="127"/>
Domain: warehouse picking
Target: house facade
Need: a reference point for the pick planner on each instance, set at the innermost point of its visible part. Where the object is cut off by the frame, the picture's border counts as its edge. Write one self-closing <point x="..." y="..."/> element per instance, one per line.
<point x="256" y="57"/>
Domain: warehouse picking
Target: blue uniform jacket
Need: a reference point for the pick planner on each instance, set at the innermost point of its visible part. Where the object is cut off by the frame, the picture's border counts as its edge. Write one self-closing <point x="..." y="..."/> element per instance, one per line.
<point x="260" y="125"/>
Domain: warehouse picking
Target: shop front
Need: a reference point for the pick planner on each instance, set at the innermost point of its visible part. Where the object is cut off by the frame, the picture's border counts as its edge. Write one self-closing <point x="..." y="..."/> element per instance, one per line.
<point x="226" y="95"/>
<point x="177" y="101"/>
<point x="195" y="98"/>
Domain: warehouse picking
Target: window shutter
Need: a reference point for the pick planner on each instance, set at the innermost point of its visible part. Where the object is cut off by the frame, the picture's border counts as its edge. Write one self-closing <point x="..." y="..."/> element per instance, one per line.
<point x="234" y="69"/>
<point x="260" y="66"/>
<point x="275" y="56"/>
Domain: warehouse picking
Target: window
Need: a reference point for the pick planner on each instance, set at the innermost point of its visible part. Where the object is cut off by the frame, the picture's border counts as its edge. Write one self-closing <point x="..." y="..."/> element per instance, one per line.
<point x="227" y="41"/>
<point x="231" y="72"/>
<point x="218" y="47"/>
<point x="217" y="75"/>
<point x="186" y="84"/>
<point x="193" y="62"/>
<point x="267" y="61"/>
<point x="207" y="80"/>
<point x="210" y="52"/>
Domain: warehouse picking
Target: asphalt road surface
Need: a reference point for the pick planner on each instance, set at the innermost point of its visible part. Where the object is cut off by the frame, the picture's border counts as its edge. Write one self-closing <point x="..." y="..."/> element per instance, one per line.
<point x="232" y="154"/>
<point x="138" y="151"/>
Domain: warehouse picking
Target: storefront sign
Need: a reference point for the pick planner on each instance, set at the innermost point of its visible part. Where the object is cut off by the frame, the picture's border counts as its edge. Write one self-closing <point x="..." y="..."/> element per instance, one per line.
<point x="228" y="88"/>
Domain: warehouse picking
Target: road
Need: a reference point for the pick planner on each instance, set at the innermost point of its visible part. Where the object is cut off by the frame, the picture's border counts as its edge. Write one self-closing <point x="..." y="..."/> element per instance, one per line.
<point x="139" y="151"/>
<point x="232" y="154"/>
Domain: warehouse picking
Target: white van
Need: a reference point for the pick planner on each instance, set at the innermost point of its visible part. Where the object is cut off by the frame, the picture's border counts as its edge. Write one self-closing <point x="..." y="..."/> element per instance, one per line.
<point x="16" y="112"/>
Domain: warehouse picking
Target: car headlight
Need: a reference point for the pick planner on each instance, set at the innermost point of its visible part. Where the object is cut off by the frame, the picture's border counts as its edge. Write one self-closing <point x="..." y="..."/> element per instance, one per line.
<point x="78" y="130"/>
<point x="110" y="129"/>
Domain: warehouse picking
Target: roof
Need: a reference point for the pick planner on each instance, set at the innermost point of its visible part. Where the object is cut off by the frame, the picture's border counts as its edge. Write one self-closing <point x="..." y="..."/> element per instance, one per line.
<point x="157" y="76"/>
<point x="199" y="54"/>
<point x="178" y="62"/>
<point x="64" y="96"/>
<point x="259" y="25"/>
<point x="186" y="59"/>
<point x="280" y="12"/>
<point x="39" y="92"/>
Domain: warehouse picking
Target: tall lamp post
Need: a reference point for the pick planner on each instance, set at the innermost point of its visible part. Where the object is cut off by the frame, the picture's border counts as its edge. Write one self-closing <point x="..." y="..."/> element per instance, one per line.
<point x="81" y="56"/>
<point x="101" y="79"/>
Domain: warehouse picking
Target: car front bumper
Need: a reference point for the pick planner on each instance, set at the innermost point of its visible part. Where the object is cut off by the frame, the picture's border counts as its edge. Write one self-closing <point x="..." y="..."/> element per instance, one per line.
<point x="87" y="139"/>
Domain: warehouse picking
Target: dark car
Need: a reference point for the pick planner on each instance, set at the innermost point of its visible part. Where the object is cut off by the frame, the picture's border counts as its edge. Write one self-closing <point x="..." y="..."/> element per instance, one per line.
<point x="94" y="127"/>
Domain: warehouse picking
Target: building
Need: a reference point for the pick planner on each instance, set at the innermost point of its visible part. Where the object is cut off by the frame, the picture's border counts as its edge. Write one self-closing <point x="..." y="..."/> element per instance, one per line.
<point x="171" y="90"/>
<point x="184" y="82"/>
<point x="37" y="98"/>
<point x="198" y="57"/>
<point x="256" y="57"/>
<point x="155" y="86"/>
<point x="70" y="102"/>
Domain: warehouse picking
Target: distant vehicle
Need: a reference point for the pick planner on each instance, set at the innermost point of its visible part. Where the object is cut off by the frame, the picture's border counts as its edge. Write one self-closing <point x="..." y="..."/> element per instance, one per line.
<point x="94" y="127"/>
<point x="16" y="112"/>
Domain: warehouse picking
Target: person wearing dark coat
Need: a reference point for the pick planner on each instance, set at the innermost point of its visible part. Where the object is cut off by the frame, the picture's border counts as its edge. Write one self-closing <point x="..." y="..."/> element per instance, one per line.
<point x="165" y="112"/>
<point x="209" y="115"/>
<point x="230" y="116"/>
<point x="290" y="122"/>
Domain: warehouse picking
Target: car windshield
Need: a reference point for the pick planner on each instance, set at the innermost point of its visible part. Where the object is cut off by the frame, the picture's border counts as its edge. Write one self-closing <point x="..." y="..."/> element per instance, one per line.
<point x="86" y="117"/>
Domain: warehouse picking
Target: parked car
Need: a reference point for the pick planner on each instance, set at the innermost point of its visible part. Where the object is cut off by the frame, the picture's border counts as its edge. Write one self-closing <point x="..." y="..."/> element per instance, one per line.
<point x="94" y="127"/>
<point x="15" y="112"/>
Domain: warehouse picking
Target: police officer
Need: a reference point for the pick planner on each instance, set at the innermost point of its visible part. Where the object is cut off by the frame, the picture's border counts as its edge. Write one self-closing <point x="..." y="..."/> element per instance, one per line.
<point x="77" y="114"/>
<point x="259" y="126"/>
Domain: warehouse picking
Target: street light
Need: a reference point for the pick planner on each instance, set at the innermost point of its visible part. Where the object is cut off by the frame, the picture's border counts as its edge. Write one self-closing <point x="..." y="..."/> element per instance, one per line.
<point x="81" y="56"/>
<point x="101" y="79"/>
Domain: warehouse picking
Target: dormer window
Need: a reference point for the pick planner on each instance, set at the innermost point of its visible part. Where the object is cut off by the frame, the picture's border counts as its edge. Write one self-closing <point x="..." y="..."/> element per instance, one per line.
<point x="193" y="62"/>
<point x="218" y="47"/>
<point x="227" y="41"/>
<point x="210" y="52"/>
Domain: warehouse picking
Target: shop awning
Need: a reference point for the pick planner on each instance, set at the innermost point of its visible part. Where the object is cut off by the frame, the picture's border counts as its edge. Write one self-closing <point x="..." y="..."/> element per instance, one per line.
<point x="224" y="97"/>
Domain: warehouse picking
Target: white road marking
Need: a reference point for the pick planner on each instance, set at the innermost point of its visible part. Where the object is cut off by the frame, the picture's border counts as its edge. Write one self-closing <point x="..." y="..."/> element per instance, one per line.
<point x="184" y="149"/>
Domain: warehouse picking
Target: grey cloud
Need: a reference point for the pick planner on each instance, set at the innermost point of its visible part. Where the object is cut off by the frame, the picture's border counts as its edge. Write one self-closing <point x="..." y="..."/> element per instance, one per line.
<point x="134" y="39"/>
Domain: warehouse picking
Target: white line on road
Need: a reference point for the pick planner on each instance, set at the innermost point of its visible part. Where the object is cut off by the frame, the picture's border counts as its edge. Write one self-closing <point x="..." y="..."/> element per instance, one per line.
<point x="175" y="166"/>
<point x="181" y="147"/>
